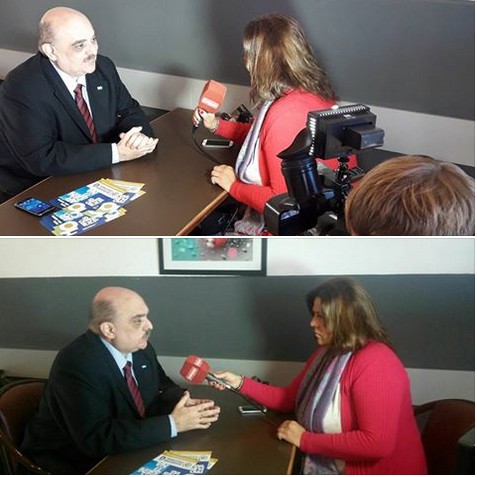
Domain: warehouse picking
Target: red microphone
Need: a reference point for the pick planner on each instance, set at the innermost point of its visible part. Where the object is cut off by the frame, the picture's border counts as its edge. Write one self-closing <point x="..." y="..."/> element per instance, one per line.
<point x="196" y="370"/>
<point x="212" y="97"/>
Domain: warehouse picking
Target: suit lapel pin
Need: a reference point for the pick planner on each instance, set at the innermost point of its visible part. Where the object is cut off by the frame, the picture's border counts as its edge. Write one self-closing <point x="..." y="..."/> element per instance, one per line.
<point x="99" y="88"/>
<point x="143" y="366"/>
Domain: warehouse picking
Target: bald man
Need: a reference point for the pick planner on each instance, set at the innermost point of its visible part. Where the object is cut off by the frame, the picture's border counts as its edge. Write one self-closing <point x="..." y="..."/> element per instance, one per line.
<point x="44" y="131"/>
<point x="88" y="409"/>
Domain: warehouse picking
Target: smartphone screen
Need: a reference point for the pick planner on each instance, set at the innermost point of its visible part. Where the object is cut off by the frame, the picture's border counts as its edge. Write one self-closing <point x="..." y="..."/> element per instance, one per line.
<point x="217" y="143"/>
<point x="34" y="206"/>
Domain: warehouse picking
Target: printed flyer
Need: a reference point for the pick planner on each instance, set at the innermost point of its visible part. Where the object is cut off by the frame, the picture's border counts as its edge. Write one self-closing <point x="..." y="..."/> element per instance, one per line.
<point x="178" y="463"/>
<point x="90" y="206"/>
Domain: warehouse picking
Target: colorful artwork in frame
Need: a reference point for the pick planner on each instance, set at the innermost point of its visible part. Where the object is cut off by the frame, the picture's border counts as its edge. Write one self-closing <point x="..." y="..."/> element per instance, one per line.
<point x="213" y="256"/>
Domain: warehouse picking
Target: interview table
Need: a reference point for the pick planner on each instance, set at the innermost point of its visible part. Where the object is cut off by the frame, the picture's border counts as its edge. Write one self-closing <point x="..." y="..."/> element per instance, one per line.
<point x="243" y="445"/>
<point x="179" y="194"/>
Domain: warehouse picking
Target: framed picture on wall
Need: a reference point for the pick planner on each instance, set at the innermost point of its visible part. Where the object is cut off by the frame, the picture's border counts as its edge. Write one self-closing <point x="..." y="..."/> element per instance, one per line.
<point x="213" y="256"/>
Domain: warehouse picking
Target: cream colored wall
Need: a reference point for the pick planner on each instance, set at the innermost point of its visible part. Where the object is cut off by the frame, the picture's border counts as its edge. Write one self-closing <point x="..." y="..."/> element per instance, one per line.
<point x="53" y="257"/>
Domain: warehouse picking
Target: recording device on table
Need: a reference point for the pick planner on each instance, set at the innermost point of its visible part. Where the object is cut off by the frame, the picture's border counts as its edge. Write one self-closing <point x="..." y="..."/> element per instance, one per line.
<point x="35" y="206"/>
<point x="251" y="410"/>
<point x="196" y="370"/>
<point x="316" y="194"/>
<point x="217" y="143"/>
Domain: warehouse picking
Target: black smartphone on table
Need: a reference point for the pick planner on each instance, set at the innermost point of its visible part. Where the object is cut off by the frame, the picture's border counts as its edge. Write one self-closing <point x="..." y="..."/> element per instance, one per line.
<point x="35" y="206"/>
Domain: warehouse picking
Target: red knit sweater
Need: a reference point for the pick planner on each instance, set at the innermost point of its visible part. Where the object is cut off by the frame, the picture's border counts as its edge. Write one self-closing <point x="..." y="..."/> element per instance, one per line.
<point x="284" y="120"/>
<point x="379" y="432"/>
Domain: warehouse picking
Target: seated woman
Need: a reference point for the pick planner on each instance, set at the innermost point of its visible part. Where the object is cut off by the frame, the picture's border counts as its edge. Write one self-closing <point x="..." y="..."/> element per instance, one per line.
<point x="352" y="400"/>
<point x="286" y="83"/>
<point x="412" y="195"/>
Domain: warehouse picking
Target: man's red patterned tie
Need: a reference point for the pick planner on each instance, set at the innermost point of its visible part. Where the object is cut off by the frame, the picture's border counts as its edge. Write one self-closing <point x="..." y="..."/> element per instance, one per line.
<point x="83" y="107"/>
<point x="134" y="389"/>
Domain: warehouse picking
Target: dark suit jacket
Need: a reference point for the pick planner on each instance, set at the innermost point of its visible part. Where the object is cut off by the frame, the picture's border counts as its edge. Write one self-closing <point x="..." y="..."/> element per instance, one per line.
<point x="87" y="412"/>
<point x="42" y="132"/>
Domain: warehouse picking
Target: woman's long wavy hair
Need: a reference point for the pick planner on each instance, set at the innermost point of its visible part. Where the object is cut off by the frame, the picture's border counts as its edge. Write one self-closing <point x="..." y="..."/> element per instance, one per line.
<point x="278" y="57"/>
<point x="348" y="313"/>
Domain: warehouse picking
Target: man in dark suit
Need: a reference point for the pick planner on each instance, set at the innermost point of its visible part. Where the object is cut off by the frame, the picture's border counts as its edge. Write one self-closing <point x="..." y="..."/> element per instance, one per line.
<point x="42" y="129"/>
<point x="88" y="409"/>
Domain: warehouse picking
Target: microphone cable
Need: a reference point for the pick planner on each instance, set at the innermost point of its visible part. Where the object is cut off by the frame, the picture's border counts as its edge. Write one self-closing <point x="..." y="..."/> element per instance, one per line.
<point x="231" y="220"/>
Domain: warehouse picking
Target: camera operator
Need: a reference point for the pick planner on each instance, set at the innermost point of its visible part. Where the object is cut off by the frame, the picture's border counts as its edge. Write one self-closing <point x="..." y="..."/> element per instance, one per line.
<point x="412" y="195"/>
<point x="407" y="195"/>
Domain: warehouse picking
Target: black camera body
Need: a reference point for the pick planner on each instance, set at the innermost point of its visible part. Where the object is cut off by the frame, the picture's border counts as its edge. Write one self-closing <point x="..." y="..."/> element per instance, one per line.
<point x="316" y="194"/>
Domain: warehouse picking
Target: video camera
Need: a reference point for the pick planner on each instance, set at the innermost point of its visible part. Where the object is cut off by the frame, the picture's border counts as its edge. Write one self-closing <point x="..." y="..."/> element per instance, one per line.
<point x="316" y="193"/>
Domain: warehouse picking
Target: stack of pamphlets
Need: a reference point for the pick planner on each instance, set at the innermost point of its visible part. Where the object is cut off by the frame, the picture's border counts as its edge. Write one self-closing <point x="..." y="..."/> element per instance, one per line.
<point x="178" y="463"/>
<point x="91" y="206"/>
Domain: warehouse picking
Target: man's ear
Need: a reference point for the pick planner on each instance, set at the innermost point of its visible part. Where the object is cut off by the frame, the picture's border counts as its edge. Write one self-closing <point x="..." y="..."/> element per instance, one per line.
<point x="48" y="50"/>
<point x="107" y="330"/>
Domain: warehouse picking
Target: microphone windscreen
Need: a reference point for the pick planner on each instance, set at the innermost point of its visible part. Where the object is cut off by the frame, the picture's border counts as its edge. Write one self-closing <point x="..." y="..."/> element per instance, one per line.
<point x="195" y="369"/>
<point x="212" y="96"/>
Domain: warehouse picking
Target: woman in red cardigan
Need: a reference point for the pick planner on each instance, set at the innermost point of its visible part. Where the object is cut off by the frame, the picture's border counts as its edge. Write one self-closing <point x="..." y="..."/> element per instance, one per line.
<point x="352" y="400"/>
<point x="286" y="83"/>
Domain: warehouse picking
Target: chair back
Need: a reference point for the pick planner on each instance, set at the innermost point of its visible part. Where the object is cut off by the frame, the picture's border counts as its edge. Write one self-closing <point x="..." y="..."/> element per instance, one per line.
<point x="18" y="402"/>
<point x="442" y="424"/>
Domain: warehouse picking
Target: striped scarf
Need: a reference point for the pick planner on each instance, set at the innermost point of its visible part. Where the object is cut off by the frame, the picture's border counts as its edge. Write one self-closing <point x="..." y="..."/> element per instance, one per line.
<point x="314" y="397"/>
<point x="247" y="169"/>
<point x="247" y="165"/>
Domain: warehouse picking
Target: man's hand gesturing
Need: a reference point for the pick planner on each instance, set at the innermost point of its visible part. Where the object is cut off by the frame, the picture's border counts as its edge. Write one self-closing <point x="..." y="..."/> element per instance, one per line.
<point x="194" y="413"/>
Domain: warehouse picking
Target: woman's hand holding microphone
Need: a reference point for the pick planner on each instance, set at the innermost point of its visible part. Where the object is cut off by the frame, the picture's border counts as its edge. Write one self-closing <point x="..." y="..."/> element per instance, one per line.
<point x="209" y="120"/>
<point x="230" y="378"/>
